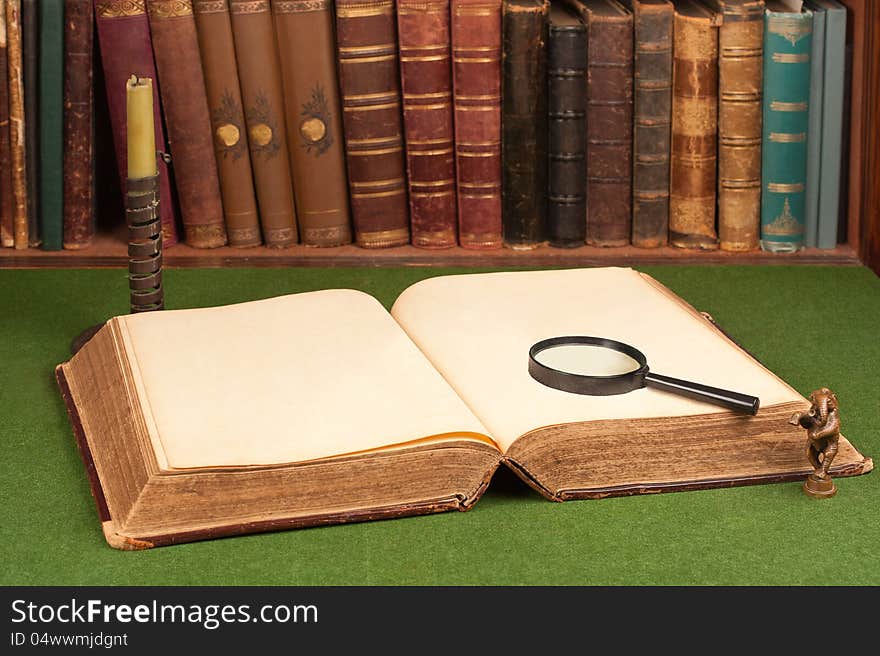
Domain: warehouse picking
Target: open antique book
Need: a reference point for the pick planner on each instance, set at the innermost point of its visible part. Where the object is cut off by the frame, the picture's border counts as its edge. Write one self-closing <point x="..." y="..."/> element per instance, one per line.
<point x="322" y="407"/>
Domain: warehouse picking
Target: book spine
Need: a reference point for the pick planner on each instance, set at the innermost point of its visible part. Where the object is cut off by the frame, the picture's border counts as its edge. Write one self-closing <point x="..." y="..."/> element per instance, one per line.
<point x="694" y="132"/>
<point x="314" y="119"/>
<point x="6" y="190"/>
<point x="126" y="50"/>
<point x="476" y="74"/>
<point x="51" y="121"/>
<point x="524" y="123"/>
<point x="30" y="53"/>
<point x="787" y="44"/>
<point x="566" y="117"/>
<point x="184" y="100"/>
<point x="814" y="131"/>
<point x="609" y="129"/>
<point x="223" y="91"/>
<point x="79" y="127"/>
<point x="370" y="81"/>
<point x="652" y="106"/>
<point x="740" y="55"/>
<point x="256" y="53"/>
<point x="426" y="84"/>
<point x="16" y="124"/>
<point x="832" y="125"/>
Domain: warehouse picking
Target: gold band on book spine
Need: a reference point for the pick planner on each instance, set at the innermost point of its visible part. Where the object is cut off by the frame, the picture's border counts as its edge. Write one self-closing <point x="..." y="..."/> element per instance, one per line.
<point x="120" y="8"/>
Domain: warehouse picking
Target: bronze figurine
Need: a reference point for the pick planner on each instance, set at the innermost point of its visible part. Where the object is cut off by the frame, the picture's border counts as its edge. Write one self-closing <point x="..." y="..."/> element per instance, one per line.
<point x="822" y="422"/>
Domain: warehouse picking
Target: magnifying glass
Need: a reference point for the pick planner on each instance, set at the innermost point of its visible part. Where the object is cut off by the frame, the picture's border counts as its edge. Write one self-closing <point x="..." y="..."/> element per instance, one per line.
<point x="597" y="366"/>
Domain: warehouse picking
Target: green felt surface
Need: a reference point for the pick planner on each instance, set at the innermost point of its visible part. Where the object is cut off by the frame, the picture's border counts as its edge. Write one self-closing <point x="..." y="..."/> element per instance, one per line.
<point x="813" y="326"/>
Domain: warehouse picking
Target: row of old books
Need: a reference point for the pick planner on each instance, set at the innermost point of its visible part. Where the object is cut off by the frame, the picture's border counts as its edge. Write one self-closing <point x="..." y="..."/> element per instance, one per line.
<point x="440" y="122"/>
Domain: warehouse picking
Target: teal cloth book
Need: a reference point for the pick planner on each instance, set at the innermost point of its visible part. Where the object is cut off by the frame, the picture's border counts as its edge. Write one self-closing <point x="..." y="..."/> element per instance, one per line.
<point x="814" y="134"/>
<point x="788" y="30"/>
<point x="51" y="113"/>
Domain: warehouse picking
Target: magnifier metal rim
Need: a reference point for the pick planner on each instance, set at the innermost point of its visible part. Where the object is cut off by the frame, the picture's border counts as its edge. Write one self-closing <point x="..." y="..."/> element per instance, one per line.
<point x="582" y="383"/>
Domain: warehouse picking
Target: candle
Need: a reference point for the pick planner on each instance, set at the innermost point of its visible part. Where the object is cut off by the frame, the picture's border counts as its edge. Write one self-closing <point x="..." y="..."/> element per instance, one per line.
<point x="141" y="129"/>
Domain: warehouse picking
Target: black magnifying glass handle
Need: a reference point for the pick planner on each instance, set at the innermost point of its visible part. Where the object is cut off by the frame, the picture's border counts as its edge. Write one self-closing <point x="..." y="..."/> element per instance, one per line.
<point x="726" y="398"/>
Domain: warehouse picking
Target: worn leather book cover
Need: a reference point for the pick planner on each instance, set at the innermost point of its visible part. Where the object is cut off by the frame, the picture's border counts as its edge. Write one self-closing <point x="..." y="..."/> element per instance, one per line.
<point x="652" y="109"/>
<point x="307" y="48"/>
<point x="609" y="120"/>
<point x="524" y="123"/>
<point x="256" y="53"/>
<point x="79" y="126"/>
<point x="567" y="122"/>
<point x="217" y="49"/>
<point x="6" y="192"/>
<point x="476" y="82"/>
<point x="694" y="127"/>
<point x="30" y="52"/>
<point x="787" y="46"/>
<point x="126" y="50"/>
<point x="17" y="138"/>
<point x="51" y="121"/>
<point x="426" y="85"/>
<point x="814" y="132"/>
<point x="740" y="63"/>
<point x="369" y="79"/>
<point x="185" y="105"/>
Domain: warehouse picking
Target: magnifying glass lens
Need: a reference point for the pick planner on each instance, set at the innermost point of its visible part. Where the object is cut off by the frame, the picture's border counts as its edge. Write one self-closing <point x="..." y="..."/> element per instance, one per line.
<point x="587" y="360"/>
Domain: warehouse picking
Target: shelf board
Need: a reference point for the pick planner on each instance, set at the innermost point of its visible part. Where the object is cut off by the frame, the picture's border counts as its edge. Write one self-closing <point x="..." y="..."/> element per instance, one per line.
<point x="110" y="251"/>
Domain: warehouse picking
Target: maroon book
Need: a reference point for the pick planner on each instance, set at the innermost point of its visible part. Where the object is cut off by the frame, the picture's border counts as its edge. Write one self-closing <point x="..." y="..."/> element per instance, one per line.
<point x="476" y="72"/>
<point x="126" y="50"/>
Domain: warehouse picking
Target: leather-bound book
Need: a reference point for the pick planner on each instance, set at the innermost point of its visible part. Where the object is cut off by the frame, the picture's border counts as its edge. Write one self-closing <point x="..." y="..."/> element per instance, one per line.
<point x="524" y="123"/>
<point x="426" y="82"/>
<point x="370" y="82"/>
<point x="79" y="132"/>
<point x="51" y="121"/>
<point x="694" y="127"/>
<point x="16" y="124"/>
<point x="30" y="53"/>
<point x="652" y="109"/>
<point x="126" y="50"/>
<point x="6" y="193"/>
<point x="476" y="83"/>
<point x="609" y="121"/>
<point x="740" y="62"/>
<point x="217" y="49"/>
<point x="256" y="53"/>
<point x="307" y="49"/>
<point x="185" y="105"/>
<point x="567" y="100"/>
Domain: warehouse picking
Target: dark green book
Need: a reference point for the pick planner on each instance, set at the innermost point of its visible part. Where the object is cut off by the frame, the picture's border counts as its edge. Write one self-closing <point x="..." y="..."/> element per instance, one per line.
<point x="30" y="64"/>
<point x="787" y="45"/>
<point x="51" y="113"/>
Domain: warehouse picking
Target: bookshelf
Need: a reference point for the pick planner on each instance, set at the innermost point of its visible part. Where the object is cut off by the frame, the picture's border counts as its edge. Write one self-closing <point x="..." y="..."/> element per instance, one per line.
<point x="861" y="244"/>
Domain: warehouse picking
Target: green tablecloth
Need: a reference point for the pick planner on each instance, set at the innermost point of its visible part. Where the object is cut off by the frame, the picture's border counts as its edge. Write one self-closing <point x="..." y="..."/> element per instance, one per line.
<point x="814" y="326"/>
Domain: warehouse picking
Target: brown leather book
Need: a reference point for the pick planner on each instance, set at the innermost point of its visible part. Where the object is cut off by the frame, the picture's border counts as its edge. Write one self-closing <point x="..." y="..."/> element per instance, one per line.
<point x="609" y="120"/>
<point x="227" y="122"/>
<point x="256" y="53"/>
<point x="370" y="84"/>
<point x="307" y="50"/>
<point x="740" y="82"/>
<point x="6" y="192"/>
<point x="652" y="106"/>
<point x="524" y="123"/>
<point x="185" y="105"/>
<point x="476" y="81"/>
<point x="426" y="81"/>
<point x="79" y="139"/>
<point x="16" y="124"/>
<point x="694" y="127"/>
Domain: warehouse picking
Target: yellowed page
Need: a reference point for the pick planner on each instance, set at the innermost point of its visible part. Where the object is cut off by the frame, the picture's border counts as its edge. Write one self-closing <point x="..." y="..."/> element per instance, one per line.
<point x="477" y="330"/>
<point x="284" y="380"/>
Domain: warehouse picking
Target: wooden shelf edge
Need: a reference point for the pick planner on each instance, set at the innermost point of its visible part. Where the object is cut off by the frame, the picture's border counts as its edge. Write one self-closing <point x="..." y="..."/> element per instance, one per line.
<point x="111" y="253"/>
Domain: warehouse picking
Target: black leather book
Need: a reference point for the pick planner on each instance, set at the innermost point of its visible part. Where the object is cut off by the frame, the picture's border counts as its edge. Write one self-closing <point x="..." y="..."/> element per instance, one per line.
<point x="524" y="123"/>
<point x="567" y="123"/>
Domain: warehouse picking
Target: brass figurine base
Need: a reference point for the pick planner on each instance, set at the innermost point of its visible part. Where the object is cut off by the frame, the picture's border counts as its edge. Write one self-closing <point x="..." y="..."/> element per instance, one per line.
<point x="819" y="488"/>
